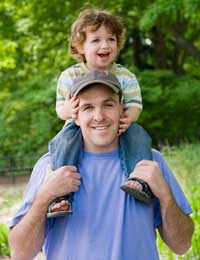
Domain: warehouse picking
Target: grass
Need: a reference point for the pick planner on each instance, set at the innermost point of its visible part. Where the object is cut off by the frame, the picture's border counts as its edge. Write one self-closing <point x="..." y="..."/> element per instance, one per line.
<point x="184" y="160"/>
<point x="10" y="195"/>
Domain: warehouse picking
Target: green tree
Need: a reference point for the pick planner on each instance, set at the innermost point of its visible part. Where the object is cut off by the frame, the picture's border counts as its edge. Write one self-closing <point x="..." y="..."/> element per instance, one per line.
<point x="162" y="42"/>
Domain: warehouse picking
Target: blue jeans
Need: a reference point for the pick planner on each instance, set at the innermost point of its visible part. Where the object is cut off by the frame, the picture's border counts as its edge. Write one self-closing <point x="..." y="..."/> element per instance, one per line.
<point x="65" y="148"/>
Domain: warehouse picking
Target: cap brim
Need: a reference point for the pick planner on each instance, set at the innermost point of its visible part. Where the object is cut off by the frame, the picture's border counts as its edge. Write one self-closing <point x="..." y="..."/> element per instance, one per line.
<point x="106" y="83"/>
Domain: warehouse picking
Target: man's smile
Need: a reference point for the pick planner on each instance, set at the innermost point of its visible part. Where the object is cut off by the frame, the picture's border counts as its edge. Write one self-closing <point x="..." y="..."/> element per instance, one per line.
<point x="100" y="128"/>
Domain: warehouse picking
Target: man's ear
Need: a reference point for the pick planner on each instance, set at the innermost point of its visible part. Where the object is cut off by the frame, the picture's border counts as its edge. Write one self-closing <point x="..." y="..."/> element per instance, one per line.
<point x="121" y="108"/>
<point x="77" y="122"/>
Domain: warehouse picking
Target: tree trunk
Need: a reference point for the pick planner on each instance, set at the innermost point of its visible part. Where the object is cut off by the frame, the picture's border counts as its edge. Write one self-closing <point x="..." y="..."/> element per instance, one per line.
<point x="178" y="60"/>
<point x="137" y="48"/>
<point x="160" y="50"/>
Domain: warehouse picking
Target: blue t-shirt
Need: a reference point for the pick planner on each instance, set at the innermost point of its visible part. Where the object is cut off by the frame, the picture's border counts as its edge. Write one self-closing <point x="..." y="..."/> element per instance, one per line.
<point x="107" y="224"/>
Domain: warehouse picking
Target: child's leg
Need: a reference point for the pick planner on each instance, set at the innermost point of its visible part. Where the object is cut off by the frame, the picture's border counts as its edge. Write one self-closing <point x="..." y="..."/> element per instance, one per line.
<point x="135" y="145"/>
<point x="64" y="149"/>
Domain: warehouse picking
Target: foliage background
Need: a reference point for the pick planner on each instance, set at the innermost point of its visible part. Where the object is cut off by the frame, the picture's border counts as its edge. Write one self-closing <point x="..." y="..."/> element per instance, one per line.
<point x="162" y="49"/>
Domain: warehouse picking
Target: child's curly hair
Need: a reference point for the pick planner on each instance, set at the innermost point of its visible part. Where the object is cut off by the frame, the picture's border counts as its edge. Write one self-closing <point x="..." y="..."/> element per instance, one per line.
<point x="94" y="18"/>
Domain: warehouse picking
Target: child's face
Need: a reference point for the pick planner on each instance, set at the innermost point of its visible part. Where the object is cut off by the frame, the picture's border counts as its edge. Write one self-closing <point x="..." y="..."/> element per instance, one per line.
<point x="100" y="48"/>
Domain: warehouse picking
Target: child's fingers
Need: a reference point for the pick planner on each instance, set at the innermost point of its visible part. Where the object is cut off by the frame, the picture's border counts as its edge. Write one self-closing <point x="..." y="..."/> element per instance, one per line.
<point x="123" y="121"/>
<point x="75" y="110"/>
<point x="75" y="102"/>
<point x="123" y="125"/>
<point x="121" y="131"/>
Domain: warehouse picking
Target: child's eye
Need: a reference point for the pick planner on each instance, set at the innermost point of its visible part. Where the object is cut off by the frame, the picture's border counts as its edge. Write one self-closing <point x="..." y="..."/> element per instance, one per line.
<point x="95" y="40"/>
<point x="112" y="39"/>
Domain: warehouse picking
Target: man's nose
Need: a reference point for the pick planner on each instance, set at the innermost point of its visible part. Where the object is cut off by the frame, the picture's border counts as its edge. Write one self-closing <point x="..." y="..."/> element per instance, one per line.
<point x="98" y="115"/>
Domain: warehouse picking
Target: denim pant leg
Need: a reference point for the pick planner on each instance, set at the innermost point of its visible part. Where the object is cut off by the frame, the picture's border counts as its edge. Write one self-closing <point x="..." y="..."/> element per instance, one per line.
<point x="65" y="148"/>
<point x="135" y="145"/>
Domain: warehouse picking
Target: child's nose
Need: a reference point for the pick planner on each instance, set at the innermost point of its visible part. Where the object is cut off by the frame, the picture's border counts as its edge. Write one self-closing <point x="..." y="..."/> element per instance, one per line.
<point x="105" y="44"/>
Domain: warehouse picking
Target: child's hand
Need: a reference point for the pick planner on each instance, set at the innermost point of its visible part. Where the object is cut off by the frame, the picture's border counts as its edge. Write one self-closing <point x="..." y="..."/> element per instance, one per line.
<point x="75" y="107"/>
<point x="125" y="121"/>
<point x="71" y="106"/>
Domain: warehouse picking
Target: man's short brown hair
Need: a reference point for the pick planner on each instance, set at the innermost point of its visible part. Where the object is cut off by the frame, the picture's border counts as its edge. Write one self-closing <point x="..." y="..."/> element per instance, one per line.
<point x="94" y="18"/>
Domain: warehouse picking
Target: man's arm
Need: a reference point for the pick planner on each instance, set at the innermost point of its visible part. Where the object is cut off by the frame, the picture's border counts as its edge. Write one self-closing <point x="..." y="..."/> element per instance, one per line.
<point x="176" y="228"/>
<point x="27" y="237"/>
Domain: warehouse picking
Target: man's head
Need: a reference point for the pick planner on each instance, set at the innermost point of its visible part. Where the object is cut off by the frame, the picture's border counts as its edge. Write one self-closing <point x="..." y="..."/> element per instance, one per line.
<point x="90" y="20"/>
<point x="100" y="108"/>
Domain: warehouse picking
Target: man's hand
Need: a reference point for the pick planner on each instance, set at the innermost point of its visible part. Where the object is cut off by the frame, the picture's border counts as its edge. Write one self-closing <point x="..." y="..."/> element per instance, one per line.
<point x="57" y="183"/>
<point x="176" y="228"/>
<point x="150" y="172"/>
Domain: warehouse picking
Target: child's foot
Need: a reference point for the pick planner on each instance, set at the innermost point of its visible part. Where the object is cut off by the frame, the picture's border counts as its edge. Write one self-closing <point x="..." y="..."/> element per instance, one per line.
<point x="58" y="208"/>
<point x="63" y="205"/>
<point x="134" y="184"/>
<point x="139" y="189"/>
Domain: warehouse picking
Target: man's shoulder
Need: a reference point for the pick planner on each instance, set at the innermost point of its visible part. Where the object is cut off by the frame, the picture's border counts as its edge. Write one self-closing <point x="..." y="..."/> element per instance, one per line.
<point x="157" y="155"/>
<point x="43" y="161"/>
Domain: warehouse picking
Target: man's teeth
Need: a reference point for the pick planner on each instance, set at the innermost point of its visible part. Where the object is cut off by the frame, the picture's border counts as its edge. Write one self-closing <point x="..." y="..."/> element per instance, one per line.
<point x="100" y="127"/>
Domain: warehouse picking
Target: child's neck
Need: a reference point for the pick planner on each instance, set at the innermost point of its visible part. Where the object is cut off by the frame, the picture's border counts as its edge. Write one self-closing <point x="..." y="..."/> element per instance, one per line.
<point x="109" y="68"/>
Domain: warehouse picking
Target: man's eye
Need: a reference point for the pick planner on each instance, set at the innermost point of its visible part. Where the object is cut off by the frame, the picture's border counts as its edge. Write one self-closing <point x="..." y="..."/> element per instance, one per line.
<point x="109" y="105"/>
<point x="87" y="108"/>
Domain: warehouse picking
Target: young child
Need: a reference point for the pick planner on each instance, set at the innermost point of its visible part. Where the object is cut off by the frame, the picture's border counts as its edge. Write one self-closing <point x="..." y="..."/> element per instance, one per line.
<point x="97" y="36"/>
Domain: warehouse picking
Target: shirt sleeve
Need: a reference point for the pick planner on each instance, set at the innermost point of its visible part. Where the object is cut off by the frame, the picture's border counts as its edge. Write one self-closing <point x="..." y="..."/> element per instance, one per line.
<point x="130" y="87"/>
<point x="176" y="190"/>
<point x="63" y="88"/>
<point x="132" y="93"/>
<point x="34" y="183"/>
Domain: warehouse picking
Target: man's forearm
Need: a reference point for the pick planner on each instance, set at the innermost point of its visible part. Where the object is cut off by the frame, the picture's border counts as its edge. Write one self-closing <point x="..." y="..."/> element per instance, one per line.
<point x="177" y="228"/>
<point x="26" y="238"/>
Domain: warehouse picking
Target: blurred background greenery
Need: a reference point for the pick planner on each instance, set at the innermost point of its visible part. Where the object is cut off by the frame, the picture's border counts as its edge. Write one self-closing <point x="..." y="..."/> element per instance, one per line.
<point x="162" y="49"/>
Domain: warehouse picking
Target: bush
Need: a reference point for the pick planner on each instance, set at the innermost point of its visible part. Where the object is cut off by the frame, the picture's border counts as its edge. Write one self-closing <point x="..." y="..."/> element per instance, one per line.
<point x="171" y="106"/>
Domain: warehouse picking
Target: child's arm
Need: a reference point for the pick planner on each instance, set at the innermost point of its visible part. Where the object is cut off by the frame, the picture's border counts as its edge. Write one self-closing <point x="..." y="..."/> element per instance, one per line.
<point x="129" y="116"/>
<point x="66" y="106"/>
<point x="67" y="109"/>
<point x="132" y="99"/>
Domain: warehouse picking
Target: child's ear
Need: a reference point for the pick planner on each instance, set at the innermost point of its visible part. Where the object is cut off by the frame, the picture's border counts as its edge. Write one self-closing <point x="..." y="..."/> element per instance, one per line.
<point x="80" y="49"/>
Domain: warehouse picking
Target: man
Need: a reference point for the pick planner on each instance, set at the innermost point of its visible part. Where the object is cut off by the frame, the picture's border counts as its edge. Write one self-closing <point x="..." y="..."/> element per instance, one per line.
<point x="107" y="223"/>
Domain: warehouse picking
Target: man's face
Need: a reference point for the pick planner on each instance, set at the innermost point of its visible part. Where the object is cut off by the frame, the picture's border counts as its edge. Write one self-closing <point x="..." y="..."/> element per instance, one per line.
<point x="98" y="118"/>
